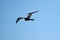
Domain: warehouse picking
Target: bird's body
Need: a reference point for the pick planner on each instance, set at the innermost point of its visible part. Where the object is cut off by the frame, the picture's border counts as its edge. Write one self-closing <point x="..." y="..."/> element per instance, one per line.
<point x="27" y="18"/>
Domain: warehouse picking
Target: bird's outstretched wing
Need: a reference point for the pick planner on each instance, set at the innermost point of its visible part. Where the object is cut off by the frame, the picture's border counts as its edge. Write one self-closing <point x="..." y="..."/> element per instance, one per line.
<point x="18" y="19"/>
<point x="29" y="14"/>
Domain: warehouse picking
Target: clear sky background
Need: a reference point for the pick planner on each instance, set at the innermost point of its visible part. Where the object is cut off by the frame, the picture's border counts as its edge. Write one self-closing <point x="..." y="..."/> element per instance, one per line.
<point x="46" y="25"/>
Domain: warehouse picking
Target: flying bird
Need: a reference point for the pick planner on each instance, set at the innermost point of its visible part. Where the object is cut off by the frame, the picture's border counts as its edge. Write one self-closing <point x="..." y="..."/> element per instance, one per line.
<point x="26" y="18"/>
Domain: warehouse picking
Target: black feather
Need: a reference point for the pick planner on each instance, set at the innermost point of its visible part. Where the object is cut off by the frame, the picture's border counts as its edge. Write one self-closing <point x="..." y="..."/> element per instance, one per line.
<point x="18" y="19"/>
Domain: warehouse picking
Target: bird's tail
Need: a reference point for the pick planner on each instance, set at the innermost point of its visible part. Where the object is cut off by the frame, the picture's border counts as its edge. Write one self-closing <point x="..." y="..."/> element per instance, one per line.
<point x="32" y="19"/>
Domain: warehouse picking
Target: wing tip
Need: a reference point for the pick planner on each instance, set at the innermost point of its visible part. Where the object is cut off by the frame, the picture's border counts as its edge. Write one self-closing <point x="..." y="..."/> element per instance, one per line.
<point x="37" y="11"/>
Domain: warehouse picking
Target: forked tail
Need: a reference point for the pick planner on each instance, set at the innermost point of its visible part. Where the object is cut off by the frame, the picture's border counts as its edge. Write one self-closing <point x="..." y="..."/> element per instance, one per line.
<point x="32" y="19"/>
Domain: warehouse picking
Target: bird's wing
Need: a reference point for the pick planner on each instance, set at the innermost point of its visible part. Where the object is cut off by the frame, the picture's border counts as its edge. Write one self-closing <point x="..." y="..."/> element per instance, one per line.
<point x="18" y="19"/>
<point x="29" y="14"/>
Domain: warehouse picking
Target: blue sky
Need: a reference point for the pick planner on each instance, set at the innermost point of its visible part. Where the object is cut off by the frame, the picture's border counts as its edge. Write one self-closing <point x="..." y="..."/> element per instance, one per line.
<point x="46" y="25"/>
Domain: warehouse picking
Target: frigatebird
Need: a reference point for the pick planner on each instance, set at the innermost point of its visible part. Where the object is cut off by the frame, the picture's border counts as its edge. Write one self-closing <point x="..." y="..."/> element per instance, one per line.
<point x="27" y="18"/>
